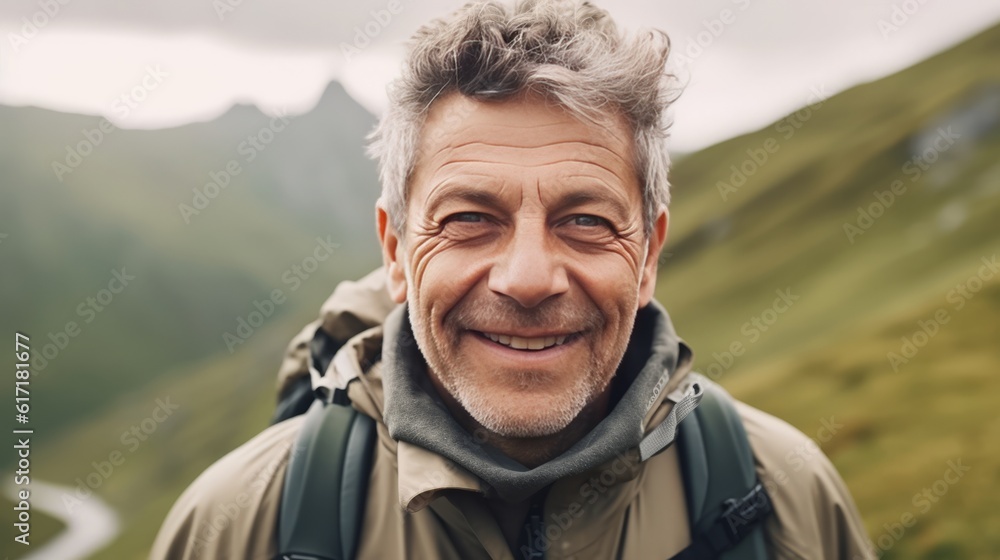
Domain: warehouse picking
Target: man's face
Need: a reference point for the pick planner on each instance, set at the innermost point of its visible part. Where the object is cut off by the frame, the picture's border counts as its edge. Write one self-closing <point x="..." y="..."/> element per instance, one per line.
<point x="524" y="259"/>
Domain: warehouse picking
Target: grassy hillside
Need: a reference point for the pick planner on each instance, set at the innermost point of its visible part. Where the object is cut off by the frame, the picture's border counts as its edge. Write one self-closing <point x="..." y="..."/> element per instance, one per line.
<point x="221" y="402"/>
<point x="860" y="291"/>
<point x="72" y="225"/>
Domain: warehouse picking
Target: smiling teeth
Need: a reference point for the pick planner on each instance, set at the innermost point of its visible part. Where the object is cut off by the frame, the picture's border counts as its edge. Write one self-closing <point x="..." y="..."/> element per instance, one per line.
<point x="522" y="343"/>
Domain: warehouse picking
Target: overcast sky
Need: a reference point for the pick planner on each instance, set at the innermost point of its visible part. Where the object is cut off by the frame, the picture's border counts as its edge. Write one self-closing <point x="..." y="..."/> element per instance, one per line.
<point x="746" y="62"/>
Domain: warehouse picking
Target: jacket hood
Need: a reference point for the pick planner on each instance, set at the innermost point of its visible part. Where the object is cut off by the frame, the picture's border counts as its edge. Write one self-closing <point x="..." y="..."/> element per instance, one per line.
<point x="354" y="307"/>
<point x="413" y="415"/>
<point x="650" y="393"/>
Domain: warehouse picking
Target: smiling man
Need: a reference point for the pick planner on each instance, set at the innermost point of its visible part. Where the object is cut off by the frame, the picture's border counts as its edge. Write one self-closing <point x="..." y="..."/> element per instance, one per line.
<point x="506" y="386"/>
<point x="524" y="260"/>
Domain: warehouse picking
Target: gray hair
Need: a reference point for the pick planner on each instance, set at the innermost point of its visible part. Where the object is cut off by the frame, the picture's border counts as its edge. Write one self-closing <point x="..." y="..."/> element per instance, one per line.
<point x="569" y="52"/>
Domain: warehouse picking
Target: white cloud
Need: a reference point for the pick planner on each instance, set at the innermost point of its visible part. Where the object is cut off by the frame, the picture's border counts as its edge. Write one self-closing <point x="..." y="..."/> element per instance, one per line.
<point x="760" y="66"/>
<point x="87" y="71"/>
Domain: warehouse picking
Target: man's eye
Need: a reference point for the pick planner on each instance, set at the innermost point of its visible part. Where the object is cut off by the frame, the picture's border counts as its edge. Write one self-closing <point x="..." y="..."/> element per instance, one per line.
<point x="588" y="221"/>
<point x="466" y="217"/>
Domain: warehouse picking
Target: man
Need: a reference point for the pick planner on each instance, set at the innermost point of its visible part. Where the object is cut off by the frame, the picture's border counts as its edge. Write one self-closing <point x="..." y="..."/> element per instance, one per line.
<point x="510" y="353"/>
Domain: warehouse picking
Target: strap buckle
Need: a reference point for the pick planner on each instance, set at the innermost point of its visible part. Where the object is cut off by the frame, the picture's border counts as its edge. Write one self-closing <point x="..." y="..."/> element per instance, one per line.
<point x="742" y="516"/>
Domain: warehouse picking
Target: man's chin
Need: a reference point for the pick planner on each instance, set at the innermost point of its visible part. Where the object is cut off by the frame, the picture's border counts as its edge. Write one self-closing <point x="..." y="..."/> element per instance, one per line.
<point x="517" y="427"/>
<point x="519" y="415"/>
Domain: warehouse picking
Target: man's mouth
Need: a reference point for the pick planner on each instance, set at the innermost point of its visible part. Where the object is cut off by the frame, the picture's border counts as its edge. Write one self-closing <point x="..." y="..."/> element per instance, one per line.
<point x="529" y="343"/>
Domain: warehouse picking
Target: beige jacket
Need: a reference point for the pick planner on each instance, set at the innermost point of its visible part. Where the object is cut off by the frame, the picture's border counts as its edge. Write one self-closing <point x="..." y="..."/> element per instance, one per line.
<point x="423" y="506"/>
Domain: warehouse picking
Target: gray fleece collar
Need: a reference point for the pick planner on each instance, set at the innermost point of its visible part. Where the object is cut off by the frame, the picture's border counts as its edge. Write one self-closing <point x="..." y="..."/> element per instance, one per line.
<point x="413" y="415"/>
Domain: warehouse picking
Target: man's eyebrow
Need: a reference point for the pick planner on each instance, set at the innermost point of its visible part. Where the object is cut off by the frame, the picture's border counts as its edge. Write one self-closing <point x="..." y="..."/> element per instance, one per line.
<point x="476" y="195"/>
<point x="581" y="197"/>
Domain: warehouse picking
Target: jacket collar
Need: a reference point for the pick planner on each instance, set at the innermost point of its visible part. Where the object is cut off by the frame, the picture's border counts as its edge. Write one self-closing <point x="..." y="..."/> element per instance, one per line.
<point x="651" y="373"/>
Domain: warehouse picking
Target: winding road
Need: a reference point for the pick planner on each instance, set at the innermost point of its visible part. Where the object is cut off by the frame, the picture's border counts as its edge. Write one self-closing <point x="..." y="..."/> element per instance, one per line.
<point x="92" y="525"/>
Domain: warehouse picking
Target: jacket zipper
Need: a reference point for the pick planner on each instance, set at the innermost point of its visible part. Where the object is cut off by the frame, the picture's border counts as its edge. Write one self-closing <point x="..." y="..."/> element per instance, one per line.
<point x="534" y="528"/>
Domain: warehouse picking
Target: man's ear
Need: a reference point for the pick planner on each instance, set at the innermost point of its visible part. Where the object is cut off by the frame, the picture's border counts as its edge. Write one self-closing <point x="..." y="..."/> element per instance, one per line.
<point x="392" y="255"/>
<point x="657" y="237"/>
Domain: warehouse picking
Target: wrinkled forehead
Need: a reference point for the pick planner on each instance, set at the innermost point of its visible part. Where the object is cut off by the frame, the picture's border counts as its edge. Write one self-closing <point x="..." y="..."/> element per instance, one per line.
<point x="526" y="131"/>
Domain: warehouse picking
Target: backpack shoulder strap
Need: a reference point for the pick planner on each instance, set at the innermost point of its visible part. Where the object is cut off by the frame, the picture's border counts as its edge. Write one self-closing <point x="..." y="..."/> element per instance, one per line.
<point x="298" y="395"/>
<point x="326" y="485"/>
<point x="726" y="503"/>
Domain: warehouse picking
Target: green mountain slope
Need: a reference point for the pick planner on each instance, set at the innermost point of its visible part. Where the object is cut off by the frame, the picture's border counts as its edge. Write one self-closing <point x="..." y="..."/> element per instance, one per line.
<point x="889" y="319"/>
<point x="78" y="226"/>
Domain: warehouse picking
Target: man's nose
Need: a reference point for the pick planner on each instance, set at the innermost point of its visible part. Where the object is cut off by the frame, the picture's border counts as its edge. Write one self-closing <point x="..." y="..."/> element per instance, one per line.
<point x="527" y="270"/>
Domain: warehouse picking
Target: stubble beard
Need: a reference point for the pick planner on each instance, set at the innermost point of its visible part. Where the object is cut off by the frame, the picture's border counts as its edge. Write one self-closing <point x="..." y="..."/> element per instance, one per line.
<point x="500" y="414"/>
<point x="507" y="419"/>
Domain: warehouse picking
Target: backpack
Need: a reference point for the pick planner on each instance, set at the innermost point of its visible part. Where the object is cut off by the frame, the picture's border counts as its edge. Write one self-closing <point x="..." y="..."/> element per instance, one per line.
<point x="326" y="483"/>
